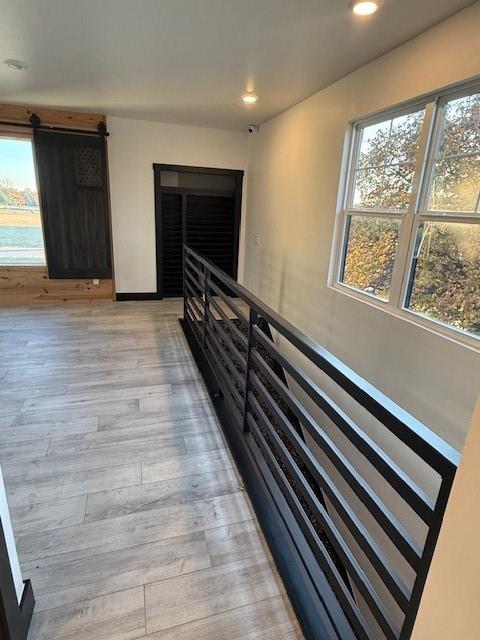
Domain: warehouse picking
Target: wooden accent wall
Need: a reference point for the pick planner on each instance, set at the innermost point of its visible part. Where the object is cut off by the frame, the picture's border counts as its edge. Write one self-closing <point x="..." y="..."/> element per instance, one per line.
<point x="16" y="113"/>
<point x="30" y="284"/>
<point x="26" y="285"/>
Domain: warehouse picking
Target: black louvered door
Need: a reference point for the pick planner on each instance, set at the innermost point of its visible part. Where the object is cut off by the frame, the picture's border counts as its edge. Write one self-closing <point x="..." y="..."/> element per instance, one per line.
<point x="210" y="229"/>
<point x="200" y="207"/>
<point x="171" y="243"/>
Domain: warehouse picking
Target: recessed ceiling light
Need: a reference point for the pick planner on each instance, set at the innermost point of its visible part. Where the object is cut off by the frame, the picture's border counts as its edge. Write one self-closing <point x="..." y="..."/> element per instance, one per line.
<point x="18" y="65"/>
<point x="249" y="98"/>
<point x="364" y="7"/>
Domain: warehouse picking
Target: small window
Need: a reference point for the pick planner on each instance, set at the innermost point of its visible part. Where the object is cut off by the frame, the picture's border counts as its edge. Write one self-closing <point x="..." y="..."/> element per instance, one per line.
<point x="21" y="235"/>
<point x="208" y="181"/>
<point x="411" y="232"/>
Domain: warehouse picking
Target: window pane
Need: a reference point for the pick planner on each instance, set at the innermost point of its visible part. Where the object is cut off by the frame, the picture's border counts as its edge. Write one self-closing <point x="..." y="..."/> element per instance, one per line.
<point x="370" y="253"/>
<point x="385" y="188"/>
<point x="212" y="181"/>
<point x="386" y="161"/>
<point x="374" y="145"/>
<point x="456" y="185"/>
<point x="21" y="237"/>
<point x="368" y="189"/>
<point x="390" y="142"/>
<point x="446" y="274"/>
<point x="461" y="126"/>
<point x="405" y="136"/>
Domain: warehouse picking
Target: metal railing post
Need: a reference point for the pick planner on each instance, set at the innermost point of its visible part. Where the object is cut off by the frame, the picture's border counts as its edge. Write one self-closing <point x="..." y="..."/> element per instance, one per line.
<point x="206" y="305"/>
<point x="252" y="321"/>
<point x="427" y="555"/>
<point x="184" y="280"/>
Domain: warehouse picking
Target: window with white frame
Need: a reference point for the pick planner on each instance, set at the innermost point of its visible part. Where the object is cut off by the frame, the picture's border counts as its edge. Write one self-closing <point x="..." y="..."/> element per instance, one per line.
<point x="21" y="234"/>
<point x="411" y="222"/>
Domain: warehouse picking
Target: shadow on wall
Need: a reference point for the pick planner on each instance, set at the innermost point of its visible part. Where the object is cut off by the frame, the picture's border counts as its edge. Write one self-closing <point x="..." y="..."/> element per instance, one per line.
<point x="296" y="292"/>
<point x="406" y="362"/>
<point x="301" y="296"/>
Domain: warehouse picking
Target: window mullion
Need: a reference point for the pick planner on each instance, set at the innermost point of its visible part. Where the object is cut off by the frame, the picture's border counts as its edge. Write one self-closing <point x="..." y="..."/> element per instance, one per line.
<point x="450" y="217"/>
<point x="374" y="213"/>
<point x="431" y="155"/>
<point x="352" y="164"/>
<point x="408" y="227"/>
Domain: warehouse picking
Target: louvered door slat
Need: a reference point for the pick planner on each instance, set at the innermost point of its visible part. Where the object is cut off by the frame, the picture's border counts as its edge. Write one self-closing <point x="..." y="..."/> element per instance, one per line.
<point x="172" y="241"/>
<point x="211" y="228"/>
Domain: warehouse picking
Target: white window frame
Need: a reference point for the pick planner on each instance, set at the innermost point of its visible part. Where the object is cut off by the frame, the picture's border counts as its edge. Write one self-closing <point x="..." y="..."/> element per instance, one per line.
<point x="410" y="219"/>
<point x="13" y="132"/>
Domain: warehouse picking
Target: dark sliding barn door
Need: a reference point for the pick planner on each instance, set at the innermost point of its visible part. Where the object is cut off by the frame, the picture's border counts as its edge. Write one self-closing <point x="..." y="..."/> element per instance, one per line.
<point x="73" y="191"/>
<point x="200" y="207"/>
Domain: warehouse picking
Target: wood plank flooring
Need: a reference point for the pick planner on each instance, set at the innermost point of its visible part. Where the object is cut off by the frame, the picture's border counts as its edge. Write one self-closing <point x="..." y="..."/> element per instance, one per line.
<point x="130" y="517"/>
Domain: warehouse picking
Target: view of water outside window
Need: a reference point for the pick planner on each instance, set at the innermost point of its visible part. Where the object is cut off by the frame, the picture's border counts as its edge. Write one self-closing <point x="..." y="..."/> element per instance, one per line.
<point x="21" y="237"/>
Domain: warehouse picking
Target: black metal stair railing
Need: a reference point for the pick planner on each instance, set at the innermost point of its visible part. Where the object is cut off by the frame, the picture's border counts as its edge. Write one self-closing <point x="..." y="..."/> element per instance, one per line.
<point x="286" y="480"/>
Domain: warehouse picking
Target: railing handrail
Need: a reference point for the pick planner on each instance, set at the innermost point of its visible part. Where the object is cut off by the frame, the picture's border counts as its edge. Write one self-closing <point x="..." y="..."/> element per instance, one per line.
<point x="440" y="455"/>
<point x="240" y="350"/>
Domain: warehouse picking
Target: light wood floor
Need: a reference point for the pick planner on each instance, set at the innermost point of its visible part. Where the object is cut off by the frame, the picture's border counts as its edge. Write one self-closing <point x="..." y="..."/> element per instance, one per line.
<point x="130" y="518"/>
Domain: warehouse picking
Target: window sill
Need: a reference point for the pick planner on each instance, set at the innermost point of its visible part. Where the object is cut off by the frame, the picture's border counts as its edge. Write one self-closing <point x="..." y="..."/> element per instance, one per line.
<point x="23" y="266"/>
<point x="432" y="326"/>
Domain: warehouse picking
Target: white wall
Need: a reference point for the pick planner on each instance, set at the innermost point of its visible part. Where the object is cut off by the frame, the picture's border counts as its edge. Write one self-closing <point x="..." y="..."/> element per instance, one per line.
<point x="449" y="607"/>
<point x="10" y="540"/>
<point x="133" y="147"/>
<point x="292" y="197"/>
